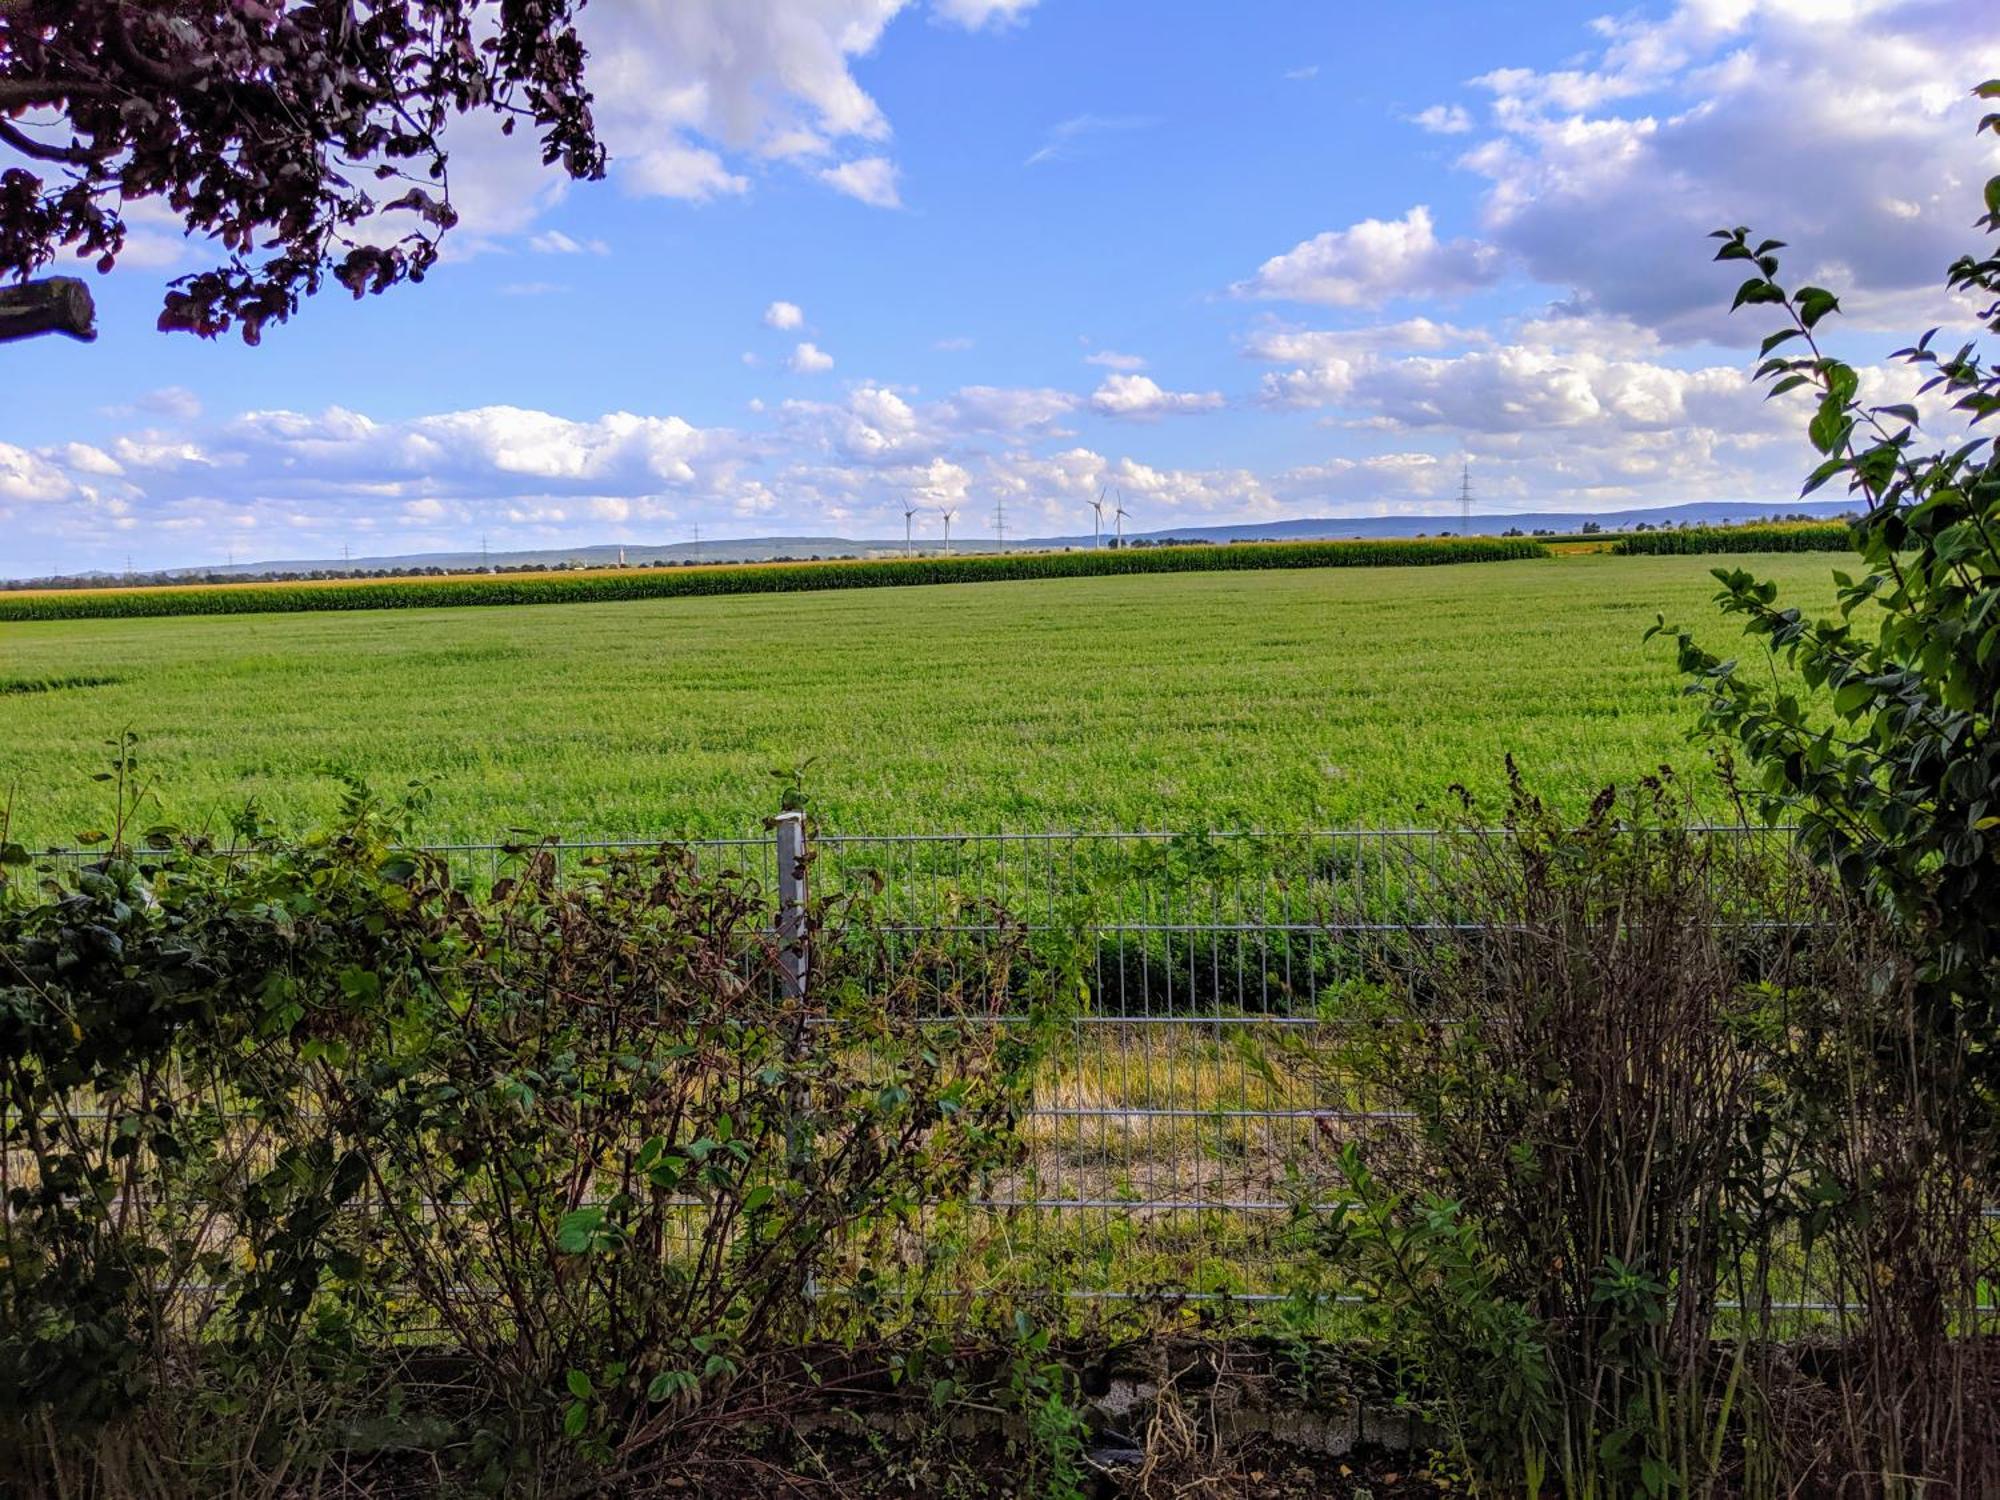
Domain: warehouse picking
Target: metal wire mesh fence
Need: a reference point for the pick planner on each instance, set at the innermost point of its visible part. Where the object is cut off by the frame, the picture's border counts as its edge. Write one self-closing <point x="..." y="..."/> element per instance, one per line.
<point x="1169" y="1141"/>
<point x="1174" y="1134"/>
<point x="1172" y="1138"/>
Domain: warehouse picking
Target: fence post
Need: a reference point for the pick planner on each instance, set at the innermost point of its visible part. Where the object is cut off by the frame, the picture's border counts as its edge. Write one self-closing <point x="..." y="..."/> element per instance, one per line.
<point x="793" y="959"/>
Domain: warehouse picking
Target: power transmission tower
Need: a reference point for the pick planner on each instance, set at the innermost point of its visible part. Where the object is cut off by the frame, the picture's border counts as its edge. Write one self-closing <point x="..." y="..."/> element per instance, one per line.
<point x="1000" y="521"/>
<point x="1465" y="498"/>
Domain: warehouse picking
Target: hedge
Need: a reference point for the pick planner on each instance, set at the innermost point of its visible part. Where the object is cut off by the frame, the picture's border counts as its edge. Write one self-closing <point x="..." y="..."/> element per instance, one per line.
<point x="758" y="578"/>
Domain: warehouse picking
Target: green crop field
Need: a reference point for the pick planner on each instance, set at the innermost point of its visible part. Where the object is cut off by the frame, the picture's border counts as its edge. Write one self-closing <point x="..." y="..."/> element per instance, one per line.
<point x="1273" y="699"/>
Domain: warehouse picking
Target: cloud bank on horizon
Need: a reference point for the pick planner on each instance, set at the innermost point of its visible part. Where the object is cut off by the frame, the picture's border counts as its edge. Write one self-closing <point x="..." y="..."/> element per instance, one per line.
<point x="856" y="254"/>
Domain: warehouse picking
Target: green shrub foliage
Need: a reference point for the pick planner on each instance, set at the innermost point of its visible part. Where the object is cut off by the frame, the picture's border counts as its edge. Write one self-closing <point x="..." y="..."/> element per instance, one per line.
<point x="763" y="578"/>
<point x="270" y="1119"/>
<point x="1668" y="1109"/>
<point x="1890" y="761"/>
<point x="1587" y="1178"/>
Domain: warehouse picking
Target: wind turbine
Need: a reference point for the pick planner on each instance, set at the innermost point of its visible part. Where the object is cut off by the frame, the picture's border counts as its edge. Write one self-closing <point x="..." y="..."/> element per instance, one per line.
<point x="1122" y="513"/>
<point x="1097" y="530"/>
<point x="909" y="541"/>
<point x="947" y="514"/>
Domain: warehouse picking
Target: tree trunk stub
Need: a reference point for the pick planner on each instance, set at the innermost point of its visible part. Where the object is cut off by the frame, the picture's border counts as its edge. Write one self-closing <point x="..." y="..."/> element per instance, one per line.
<point x="55" y="304"/>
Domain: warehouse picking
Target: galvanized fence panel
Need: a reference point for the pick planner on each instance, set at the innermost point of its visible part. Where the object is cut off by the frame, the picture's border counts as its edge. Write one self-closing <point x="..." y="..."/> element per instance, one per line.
<point x="1173" y="1138"/>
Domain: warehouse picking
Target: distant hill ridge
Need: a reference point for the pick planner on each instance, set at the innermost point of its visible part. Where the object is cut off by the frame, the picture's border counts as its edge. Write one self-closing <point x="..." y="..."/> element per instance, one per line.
<point x="768" y="548"/>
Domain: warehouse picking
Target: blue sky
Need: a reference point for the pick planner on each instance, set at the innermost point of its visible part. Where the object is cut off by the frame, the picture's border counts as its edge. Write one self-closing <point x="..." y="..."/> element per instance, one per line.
<point x="1242" y="261"/>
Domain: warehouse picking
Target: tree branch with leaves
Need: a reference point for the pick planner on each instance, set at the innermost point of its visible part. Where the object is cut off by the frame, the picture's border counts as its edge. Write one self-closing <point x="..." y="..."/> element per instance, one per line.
<point x="268" y="126"/>
<point x="1889" y="761"/>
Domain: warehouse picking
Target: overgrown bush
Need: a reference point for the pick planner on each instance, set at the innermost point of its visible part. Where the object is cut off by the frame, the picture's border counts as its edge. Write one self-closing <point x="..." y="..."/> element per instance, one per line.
<point x="1676" y="1205"/>
<point x="1546" y="1250"/>
<point x="1883" y="746"/>
<point x="1879" y="1146"/>
<point x="309" y="1157"/>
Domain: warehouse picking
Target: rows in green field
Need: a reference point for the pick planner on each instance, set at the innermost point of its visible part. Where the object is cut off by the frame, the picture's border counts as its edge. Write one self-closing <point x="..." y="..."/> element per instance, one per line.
<point x="759" y="578"/>
<point x="1801" y="536"/>
<point x="1318" y="698"/>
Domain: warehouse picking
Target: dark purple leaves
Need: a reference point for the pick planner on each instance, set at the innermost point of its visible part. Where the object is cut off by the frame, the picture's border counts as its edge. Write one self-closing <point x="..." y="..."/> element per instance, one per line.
<point x="251" y="120"/>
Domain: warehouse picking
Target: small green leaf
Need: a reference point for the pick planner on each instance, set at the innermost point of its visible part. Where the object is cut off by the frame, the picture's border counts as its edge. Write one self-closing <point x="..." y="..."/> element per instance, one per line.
<point x="578" y="1230"/>
<point x="1756" y="289"/>
<point x="1783" y="335"/>
<point x="669" y="1382"/>
<point x="1814" y="303"/>
<point x="359" y="985"/>
<point x="1851" y="698"/>
<point x="1829" y="426"/>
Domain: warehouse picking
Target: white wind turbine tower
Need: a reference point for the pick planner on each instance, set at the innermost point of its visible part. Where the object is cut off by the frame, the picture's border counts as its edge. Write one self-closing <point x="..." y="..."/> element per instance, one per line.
<point x="909" y="540"/>
<point x="947" y="514"/>
<point x="1097" y="530"/>
<point x="1119" y="517"/>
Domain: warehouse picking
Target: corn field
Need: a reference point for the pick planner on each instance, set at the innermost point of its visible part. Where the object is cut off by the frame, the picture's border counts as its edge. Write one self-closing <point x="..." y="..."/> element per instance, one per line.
<point x="1829" y="536"/>
<point x="763" y="578"/>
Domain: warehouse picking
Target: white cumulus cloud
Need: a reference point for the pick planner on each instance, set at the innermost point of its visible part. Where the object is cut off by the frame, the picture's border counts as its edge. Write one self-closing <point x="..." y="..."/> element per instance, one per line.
<point x="1603" y="177"/>
<point x="694" y="99"/>
<point x="1141" y="398"/>
<point x="1376" y="261"/>
<point x="1443" y="119"/>
<point x="28" y="477"/>
<point x="870" y="179"/>
<point x="987" y="408"/>
<point x="975" y="14"/>
<point x="810" y="359"/>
